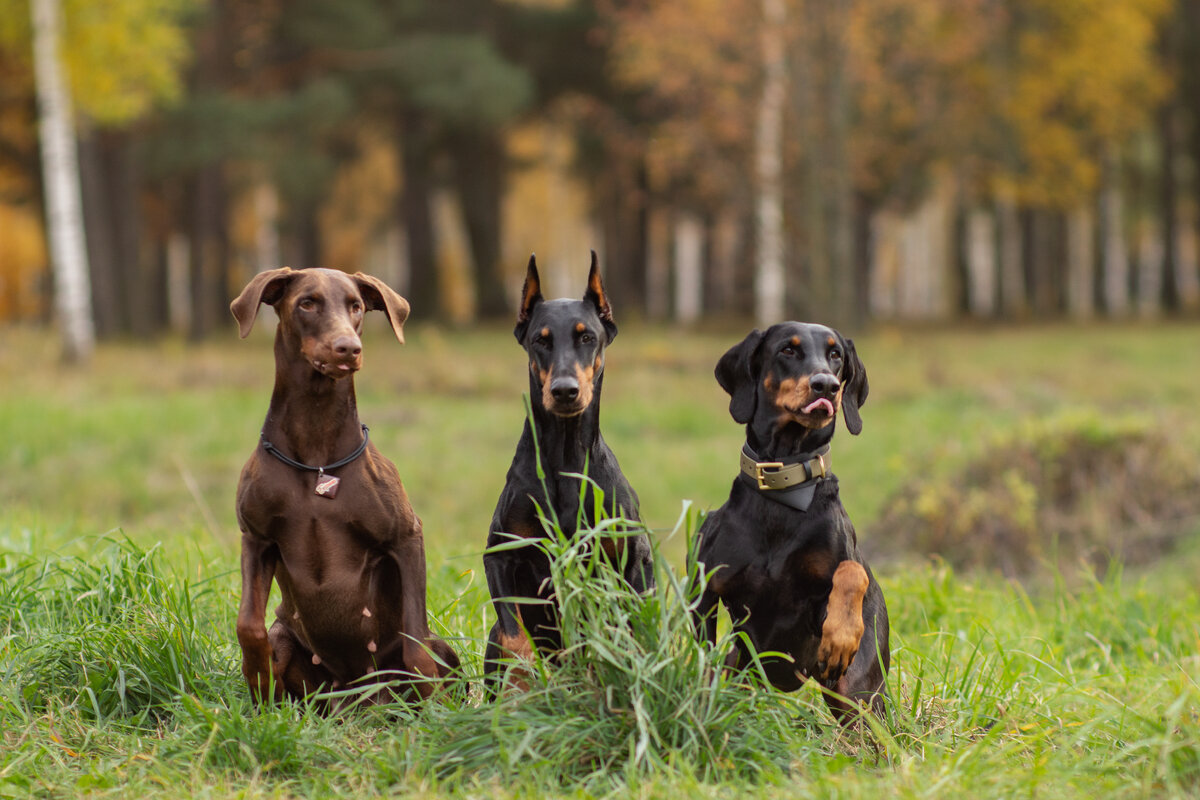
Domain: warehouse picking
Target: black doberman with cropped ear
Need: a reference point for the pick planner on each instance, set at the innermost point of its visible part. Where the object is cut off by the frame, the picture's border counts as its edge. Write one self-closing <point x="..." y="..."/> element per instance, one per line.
<point x="782" y="553"/>
<point x="565" y="341"/>
<point x="322" y="512"/>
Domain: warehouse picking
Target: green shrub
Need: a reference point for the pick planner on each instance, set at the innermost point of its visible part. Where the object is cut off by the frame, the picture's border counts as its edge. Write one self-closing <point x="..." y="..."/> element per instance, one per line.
<point x="1060" y="490"/>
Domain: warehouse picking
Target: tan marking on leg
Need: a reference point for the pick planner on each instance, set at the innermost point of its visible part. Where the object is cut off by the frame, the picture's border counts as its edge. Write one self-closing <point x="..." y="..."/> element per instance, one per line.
<point x="843" y="627"/>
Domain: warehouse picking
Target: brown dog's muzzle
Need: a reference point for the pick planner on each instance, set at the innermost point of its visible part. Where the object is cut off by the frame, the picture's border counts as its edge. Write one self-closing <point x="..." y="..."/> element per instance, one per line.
<point x="335" y="359"/>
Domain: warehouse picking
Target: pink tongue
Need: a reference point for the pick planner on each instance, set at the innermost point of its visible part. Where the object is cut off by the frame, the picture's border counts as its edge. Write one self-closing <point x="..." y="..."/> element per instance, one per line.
<point x="808" y="409"/>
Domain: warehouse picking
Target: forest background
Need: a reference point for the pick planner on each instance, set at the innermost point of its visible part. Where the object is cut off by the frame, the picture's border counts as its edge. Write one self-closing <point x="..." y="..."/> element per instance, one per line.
<point x="848" y="160"/>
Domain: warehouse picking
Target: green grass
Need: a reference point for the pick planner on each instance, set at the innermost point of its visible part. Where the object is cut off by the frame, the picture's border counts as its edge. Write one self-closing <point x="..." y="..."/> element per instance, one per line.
<point x="118" y="585"/>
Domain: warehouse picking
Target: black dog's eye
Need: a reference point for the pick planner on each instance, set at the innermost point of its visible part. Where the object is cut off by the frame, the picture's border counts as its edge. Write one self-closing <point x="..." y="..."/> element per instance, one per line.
<point x="586" y="338"/>
<point x="545" y="342"/>
<point x="835" y="354"/>
<point x="788" y="351"/>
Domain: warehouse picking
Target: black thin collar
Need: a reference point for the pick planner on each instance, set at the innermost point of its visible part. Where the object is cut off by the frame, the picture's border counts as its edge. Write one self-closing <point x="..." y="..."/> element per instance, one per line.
<point x="291" y="462"/>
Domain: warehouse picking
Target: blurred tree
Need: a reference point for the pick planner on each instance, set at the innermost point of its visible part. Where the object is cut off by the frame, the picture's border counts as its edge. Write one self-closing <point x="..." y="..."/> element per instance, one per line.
<point x="64" y="214"/>
<point x="435" y="72"/>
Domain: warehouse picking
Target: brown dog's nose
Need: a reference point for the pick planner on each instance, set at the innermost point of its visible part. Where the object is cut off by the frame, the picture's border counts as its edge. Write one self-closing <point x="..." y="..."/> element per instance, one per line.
<point x="564" y="390"/>
<point x="347" y="346"/>
<point x="824" y="384"/>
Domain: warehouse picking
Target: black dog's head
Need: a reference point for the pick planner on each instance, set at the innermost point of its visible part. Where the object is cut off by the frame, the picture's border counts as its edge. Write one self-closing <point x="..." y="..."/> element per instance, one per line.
<point x="794" y="375"/>
<point x="565" y="340"/>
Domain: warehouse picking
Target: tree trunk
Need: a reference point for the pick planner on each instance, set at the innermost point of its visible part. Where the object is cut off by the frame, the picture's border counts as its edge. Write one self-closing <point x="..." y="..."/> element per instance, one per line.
<point x="689" y="266"/>
<point x="769" y="285"/>
<point x="1081" y="262"/>
<point x="1115" y="255"/>
<point x="64" y="213"/>
<point x="480" y="162"/>
<point x="658" y="264"/>
<point x="209" y="255"/>
<point x="417" y="217"/>
<point x="108" y="291"/>
<point x="981" y="263"/>
<point x="1012" y="272"/>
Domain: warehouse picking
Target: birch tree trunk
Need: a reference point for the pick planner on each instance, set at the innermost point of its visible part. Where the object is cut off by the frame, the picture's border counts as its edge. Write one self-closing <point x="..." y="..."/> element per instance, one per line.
<point x="981" y="263"/>
<point x="1081" y="263"/>
<point x="1115" y="257"/>
<point x="768" y="286"/>
<point x="689" y="267"/>
<point x="60" y="168"/>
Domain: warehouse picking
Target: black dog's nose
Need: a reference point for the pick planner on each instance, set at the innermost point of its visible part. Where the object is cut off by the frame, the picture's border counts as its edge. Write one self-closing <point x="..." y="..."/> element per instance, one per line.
<point x="824" y="384"/>
<point x="564" y="390"/>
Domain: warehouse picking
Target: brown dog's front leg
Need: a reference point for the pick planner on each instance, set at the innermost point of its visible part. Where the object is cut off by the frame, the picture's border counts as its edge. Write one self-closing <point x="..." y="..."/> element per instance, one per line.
<point x="843" y="627"/>
<point x="410" y="557"/>
<point x="258" y="570"/>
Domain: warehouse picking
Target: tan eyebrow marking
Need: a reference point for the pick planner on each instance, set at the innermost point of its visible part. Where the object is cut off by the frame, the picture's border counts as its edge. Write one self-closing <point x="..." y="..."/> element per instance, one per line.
<point x="579" y="327"/>
<point x="546" y="331"/>
<point x="795" y="341"/>
<point x="831" y="341"/>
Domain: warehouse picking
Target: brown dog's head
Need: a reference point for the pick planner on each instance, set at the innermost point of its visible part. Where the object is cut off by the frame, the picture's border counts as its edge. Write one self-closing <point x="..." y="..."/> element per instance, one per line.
<point x="320" y="313"/>
<point x="565" y="340"/>
<point x="794" y="374"/>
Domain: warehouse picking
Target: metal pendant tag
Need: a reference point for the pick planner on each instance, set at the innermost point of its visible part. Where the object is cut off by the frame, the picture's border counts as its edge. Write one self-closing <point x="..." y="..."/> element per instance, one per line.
<point x="327" y="485"/>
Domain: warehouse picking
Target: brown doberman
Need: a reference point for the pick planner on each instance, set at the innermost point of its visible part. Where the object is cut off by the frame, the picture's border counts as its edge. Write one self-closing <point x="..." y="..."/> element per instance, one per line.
<point x="322" y="512"/>
<point x="782" y="550"/>
<point x="565" y="341"/>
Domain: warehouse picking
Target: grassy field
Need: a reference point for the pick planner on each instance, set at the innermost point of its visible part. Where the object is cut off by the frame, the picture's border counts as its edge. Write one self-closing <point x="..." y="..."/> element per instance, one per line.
<point x="118" y="583"/>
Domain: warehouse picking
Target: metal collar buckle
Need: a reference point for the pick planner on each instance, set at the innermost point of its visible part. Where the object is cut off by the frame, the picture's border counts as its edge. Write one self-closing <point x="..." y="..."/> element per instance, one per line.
<point x="761" y="476"/>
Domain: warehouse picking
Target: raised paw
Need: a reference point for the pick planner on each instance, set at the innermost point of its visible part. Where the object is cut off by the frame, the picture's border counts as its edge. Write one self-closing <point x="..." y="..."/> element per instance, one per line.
<point x="843" y="627"/>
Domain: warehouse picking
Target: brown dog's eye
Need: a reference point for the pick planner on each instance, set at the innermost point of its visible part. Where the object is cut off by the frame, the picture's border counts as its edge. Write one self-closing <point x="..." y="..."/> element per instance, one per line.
<point x="308" y="304"/>
<point x="356" y="308"/>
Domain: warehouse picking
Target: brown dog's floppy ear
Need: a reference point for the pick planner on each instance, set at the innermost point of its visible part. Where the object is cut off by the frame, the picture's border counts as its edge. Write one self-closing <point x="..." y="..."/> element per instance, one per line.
<point x="378" y="296"/>
<point x="265" y="287"/>
<point x="595" y="294"/>
<point x="854" y="391"/>
<point x="737" y="372"/>
<point x="531" y="295"/>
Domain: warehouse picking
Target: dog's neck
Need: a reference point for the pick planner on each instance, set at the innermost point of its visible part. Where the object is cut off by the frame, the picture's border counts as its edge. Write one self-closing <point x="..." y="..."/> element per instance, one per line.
<point x="774" y="442"/>
<point x="312" y="418"/>
<point x="565" y="443"/>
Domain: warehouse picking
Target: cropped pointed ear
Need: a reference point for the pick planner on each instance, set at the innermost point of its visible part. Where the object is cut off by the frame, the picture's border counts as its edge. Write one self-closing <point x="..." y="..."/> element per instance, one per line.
<point x="378" y="296"/>
<point x="737" y="372"/>
<point x="265" y="287"/>
<point x="595" y="295"/>
<point x="854" y="387"/>
<point x="531" y="295"/>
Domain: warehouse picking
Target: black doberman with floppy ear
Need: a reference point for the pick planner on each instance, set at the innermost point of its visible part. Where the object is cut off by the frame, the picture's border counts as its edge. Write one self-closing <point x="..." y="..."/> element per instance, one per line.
<point x="565" y="341"/>
<point x="781" y="551"/>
